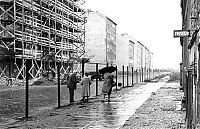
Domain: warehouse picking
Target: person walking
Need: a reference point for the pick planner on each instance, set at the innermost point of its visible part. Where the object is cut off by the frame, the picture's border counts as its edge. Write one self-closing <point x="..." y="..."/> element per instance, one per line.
<point x="71" y="84"/>
<point x="107" y="85"/>
<point x="86" y="82"/>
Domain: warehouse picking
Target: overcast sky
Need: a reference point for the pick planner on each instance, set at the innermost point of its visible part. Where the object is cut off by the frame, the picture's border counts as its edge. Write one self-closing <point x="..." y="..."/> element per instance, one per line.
<point x="149" y="21"/>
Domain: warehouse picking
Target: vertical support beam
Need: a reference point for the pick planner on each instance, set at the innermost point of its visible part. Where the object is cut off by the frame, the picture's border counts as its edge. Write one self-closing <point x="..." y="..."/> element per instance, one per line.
<point x="23" y="36"/>
<point x="97" y="74"/>
<point x="14" y="28"/>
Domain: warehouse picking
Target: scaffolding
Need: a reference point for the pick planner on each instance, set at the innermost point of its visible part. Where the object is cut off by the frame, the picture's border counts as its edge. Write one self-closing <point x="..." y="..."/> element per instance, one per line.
<point x="40" y="33"/>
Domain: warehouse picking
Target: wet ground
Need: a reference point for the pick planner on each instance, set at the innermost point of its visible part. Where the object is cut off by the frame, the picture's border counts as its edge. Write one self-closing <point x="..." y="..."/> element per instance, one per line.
<point x="12" y="100"/>
<point x="93" y="115"/>
<point x="161" y="111"/>
<point x="115" y="113"/>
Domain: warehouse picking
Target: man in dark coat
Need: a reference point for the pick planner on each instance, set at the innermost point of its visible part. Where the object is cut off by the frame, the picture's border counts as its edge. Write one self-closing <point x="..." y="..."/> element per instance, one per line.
<point x="71" y="84"/>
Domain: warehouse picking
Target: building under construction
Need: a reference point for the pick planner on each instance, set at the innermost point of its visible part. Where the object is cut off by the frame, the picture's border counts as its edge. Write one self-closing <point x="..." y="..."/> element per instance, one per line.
<point x="41" y="34"/>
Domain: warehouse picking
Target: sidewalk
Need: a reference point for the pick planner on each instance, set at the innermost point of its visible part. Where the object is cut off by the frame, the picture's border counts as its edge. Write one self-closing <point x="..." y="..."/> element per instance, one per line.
<point x="161" y="111"/>
<point x="98" y="115"/>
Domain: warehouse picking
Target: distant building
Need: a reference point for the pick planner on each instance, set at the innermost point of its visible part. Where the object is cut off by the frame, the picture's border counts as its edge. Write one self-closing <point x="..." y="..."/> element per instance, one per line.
<point x="125" y="50"/>
<point x="132" y="53"/>
<point x="143" y="57"/>
<point x="100" y="38"/>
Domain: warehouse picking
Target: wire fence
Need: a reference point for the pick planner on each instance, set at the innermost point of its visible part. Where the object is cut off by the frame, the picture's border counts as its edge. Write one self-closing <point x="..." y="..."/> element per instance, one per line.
<point x="26" y="100"/>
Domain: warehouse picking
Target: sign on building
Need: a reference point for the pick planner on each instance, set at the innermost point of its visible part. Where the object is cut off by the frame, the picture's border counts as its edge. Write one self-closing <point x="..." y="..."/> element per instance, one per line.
<point x="181" y="33"/>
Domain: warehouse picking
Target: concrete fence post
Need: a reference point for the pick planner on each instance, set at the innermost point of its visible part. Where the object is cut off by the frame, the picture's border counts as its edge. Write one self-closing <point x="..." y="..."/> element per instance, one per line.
<point x="132" y="74"/>
<point x="97" y="74"/>
<point x="127" y="75"/>
<point x="58" y="73"/>
<point x="27" y="91"/>
<point x="123" y="76"/>
<point x="116" y="77"/>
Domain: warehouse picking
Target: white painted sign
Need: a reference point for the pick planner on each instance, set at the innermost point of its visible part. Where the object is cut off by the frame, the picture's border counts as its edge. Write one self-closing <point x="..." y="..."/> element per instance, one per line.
<point x="181" y="33"/>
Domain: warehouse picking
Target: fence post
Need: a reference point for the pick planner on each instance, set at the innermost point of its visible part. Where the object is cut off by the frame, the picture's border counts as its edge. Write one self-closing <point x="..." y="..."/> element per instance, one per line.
<point x="153" y="72"/>
<point x="116" y="76"/>
<point x="142" y="75"/>
<point x="132" y="75"/>
<point x="123" y="75"/>
<point x="136" y="75"/>
<point x="127" y="75"/>
<point x="97" y="79"/>
<point x="27" y="91"/>
<point x="58" y="73"/>
<point x="146" y="73"/>
<point x="149" y="73"/>
<point x="83" y="67"/>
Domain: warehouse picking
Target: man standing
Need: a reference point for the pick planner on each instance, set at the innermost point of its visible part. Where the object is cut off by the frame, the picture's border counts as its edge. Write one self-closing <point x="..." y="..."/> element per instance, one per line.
<point x="71" y="84"/>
